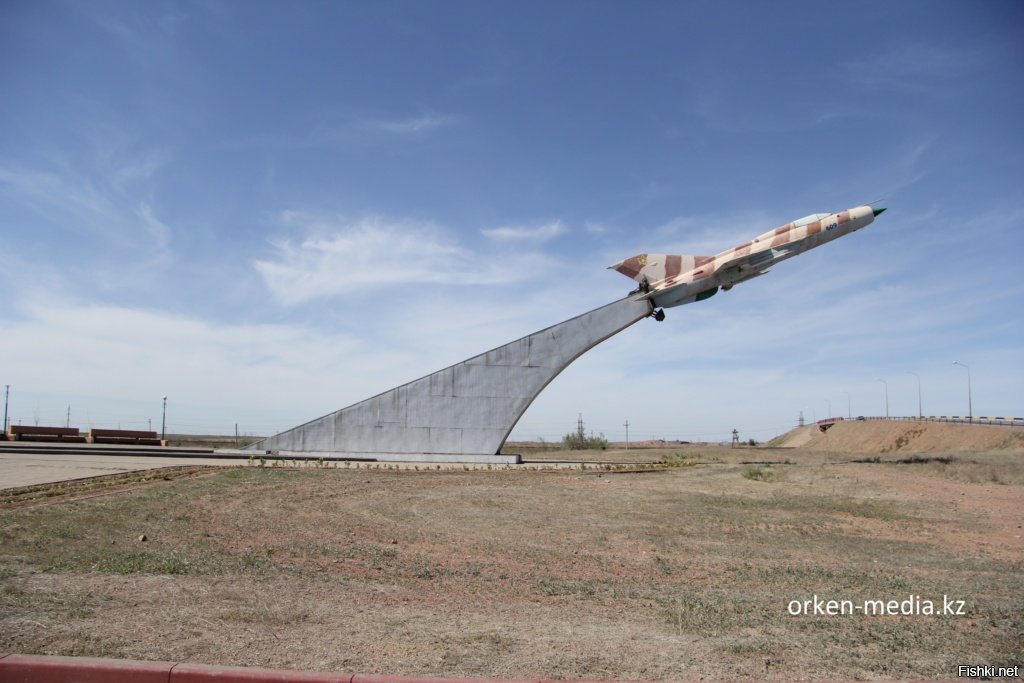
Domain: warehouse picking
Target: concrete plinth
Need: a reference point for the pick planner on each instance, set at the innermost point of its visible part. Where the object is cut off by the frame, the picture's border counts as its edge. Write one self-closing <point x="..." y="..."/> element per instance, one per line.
<point x="467" y="409"/>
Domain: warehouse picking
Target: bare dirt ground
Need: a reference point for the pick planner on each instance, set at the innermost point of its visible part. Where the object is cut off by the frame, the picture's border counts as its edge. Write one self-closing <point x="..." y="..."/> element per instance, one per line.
<point x="682" y="572"/>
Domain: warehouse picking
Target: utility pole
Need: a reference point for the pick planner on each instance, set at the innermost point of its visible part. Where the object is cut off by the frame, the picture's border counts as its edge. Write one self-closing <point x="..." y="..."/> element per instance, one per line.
<point x="68" y="422"/>
<point x="970" y="409"/>
<point x="627" y="434"/>
<point x="163" y="427"/>
<point x="7" y="394"/>
<point x="920" y="413"/>
<point x="886" y="384"/>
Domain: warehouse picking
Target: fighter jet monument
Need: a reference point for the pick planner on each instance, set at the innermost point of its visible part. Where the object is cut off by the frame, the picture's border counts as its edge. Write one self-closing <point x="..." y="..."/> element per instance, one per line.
<point x="669" y="280"/>
<point x="465" y="412"/>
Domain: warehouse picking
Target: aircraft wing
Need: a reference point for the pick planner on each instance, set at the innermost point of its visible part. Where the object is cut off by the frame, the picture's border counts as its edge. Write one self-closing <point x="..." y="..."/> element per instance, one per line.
<point x="750" y="266"/>
<point x="757" y="261"/>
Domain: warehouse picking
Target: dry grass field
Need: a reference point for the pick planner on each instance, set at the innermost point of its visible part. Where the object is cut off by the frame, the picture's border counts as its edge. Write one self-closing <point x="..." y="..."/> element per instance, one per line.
<point x="679" y="572"/>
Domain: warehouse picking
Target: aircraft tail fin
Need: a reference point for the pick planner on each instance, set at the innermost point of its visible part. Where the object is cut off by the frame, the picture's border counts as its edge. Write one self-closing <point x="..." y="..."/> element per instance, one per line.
<point x="656" y="267"/>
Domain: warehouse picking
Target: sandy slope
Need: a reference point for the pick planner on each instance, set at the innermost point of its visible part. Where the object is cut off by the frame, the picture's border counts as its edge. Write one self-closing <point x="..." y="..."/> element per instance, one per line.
<point x="879" y="436"/>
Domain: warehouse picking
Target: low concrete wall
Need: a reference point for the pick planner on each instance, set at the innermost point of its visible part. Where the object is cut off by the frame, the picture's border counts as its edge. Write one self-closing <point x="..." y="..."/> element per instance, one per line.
<point x="467" y="409"/>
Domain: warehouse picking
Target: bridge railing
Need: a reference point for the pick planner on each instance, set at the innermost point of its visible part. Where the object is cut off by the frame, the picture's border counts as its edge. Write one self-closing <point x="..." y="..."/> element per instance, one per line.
<point x="1004" y="421"/>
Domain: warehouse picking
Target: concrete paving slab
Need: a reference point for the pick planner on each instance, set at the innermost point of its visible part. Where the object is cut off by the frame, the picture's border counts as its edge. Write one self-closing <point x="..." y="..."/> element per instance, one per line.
<point x="26" y="468"/>
<point x="30" y="469"/>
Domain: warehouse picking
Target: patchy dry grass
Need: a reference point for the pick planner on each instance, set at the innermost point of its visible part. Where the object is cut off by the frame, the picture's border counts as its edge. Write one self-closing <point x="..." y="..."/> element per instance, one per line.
<point x="977" y="468"/>
<point x="678" y="573"/>
<point x="971" y="468"/>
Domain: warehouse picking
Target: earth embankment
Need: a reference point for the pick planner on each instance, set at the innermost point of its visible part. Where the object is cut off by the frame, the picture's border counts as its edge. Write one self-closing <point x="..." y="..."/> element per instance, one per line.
<point x="881" y="436"/>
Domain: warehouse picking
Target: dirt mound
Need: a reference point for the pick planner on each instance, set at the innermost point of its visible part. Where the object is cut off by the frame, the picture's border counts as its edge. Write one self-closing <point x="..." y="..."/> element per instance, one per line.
<point x="881" y="436"/>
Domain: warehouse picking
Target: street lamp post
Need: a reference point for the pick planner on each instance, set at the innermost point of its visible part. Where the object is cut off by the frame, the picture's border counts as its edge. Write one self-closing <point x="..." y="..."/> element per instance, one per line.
<point x="920" y="413"/>
<point x="849" y="412"/>
<point x="828" y="403"/>
<point x="970" y="408"/>
<point x="7" y="394"/>
<point x="163" y="424"/>
<point x="886" y="397"/>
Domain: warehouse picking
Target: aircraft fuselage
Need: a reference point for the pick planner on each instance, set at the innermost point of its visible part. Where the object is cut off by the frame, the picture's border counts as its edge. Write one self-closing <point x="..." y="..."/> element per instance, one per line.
<point x="670" y="280"/>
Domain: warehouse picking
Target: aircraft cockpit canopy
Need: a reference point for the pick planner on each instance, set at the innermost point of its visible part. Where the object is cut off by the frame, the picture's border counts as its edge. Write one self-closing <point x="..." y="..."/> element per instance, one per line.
<point x="813" y="218"/>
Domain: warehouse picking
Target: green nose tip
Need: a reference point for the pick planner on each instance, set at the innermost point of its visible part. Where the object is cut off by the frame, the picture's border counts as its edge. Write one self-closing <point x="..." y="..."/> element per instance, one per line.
<point x="878" y="211"/>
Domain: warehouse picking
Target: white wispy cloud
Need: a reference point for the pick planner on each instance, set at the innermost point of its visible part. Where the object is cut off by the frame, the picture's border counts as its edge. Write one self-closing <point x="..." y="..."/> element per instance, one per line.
<point x="51" y="193"/>
<point x="712" y="233"/>
<point x="419" y="124"/>
<point x="525" y="233"/>
<point x="160" y="233"/>
<point x="126" y="172"/>
<point x="726" y="110"/>
<point x="907" y="168"/>
<point x="337" y="257"/>
<point x="63" y="347"/>
<point x="106" y="196"/>
<point x="350" y="129"/>
<point x="915" y="66"/>
<point x="144" y="36"/>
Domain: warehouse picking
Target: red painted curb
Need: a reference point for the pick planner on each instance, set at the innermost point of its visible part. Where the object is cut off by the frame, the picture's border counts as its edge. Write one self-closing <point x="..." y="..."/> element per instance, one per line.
<point x="201" y="673"/>
<point x="38" y="669"/>
<point x="42" y="669"/>
<point x="384" y="678"/>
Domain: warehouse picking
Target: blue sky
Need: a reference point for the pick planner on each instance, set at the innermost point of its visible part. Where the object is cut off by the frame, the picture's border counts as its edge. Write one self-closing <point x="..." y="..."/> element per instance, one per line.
<point x="267" y="211"/>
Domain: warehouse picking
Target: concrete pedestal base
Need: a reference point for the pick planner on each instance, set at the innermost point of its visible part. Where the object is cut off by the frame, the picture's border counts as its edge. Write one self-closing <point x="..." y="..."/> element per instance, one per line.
<point x="469" y="458"/>
<point x="465" y="410"/>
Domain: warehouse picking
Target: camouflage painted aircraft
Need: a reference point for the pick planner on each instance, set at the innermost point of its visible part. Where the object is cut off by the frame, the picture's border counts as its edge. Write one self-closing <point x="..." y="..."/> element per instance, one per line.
<point x="673" y="280"/>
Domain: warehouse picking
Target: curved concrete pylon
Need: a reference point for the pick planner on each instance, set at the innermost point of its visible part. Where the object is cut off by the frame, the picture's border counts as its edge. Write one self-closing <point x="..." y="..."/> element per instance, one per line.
<point x="467" y="409"/>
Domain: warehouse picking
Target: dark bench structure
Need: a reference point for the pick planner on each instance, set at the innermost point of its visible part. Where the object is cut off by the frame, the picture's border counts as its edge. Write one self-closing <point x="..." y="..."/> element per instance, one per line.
<point x="126" y="437"/>
<point x="51" y="434"/>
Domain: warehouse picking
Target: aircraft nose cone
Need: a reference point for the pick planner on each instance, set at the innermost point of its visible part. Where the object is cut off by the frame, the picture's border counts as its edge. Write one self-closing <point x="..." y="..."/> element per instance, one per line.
<point x="877" y="211"/>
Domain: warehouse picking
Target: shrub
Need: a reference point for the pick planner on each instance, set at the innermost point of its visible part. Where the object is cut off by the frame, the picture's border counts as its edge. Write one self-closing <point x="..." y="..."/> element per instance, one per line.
<point x="577" y="442"/>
